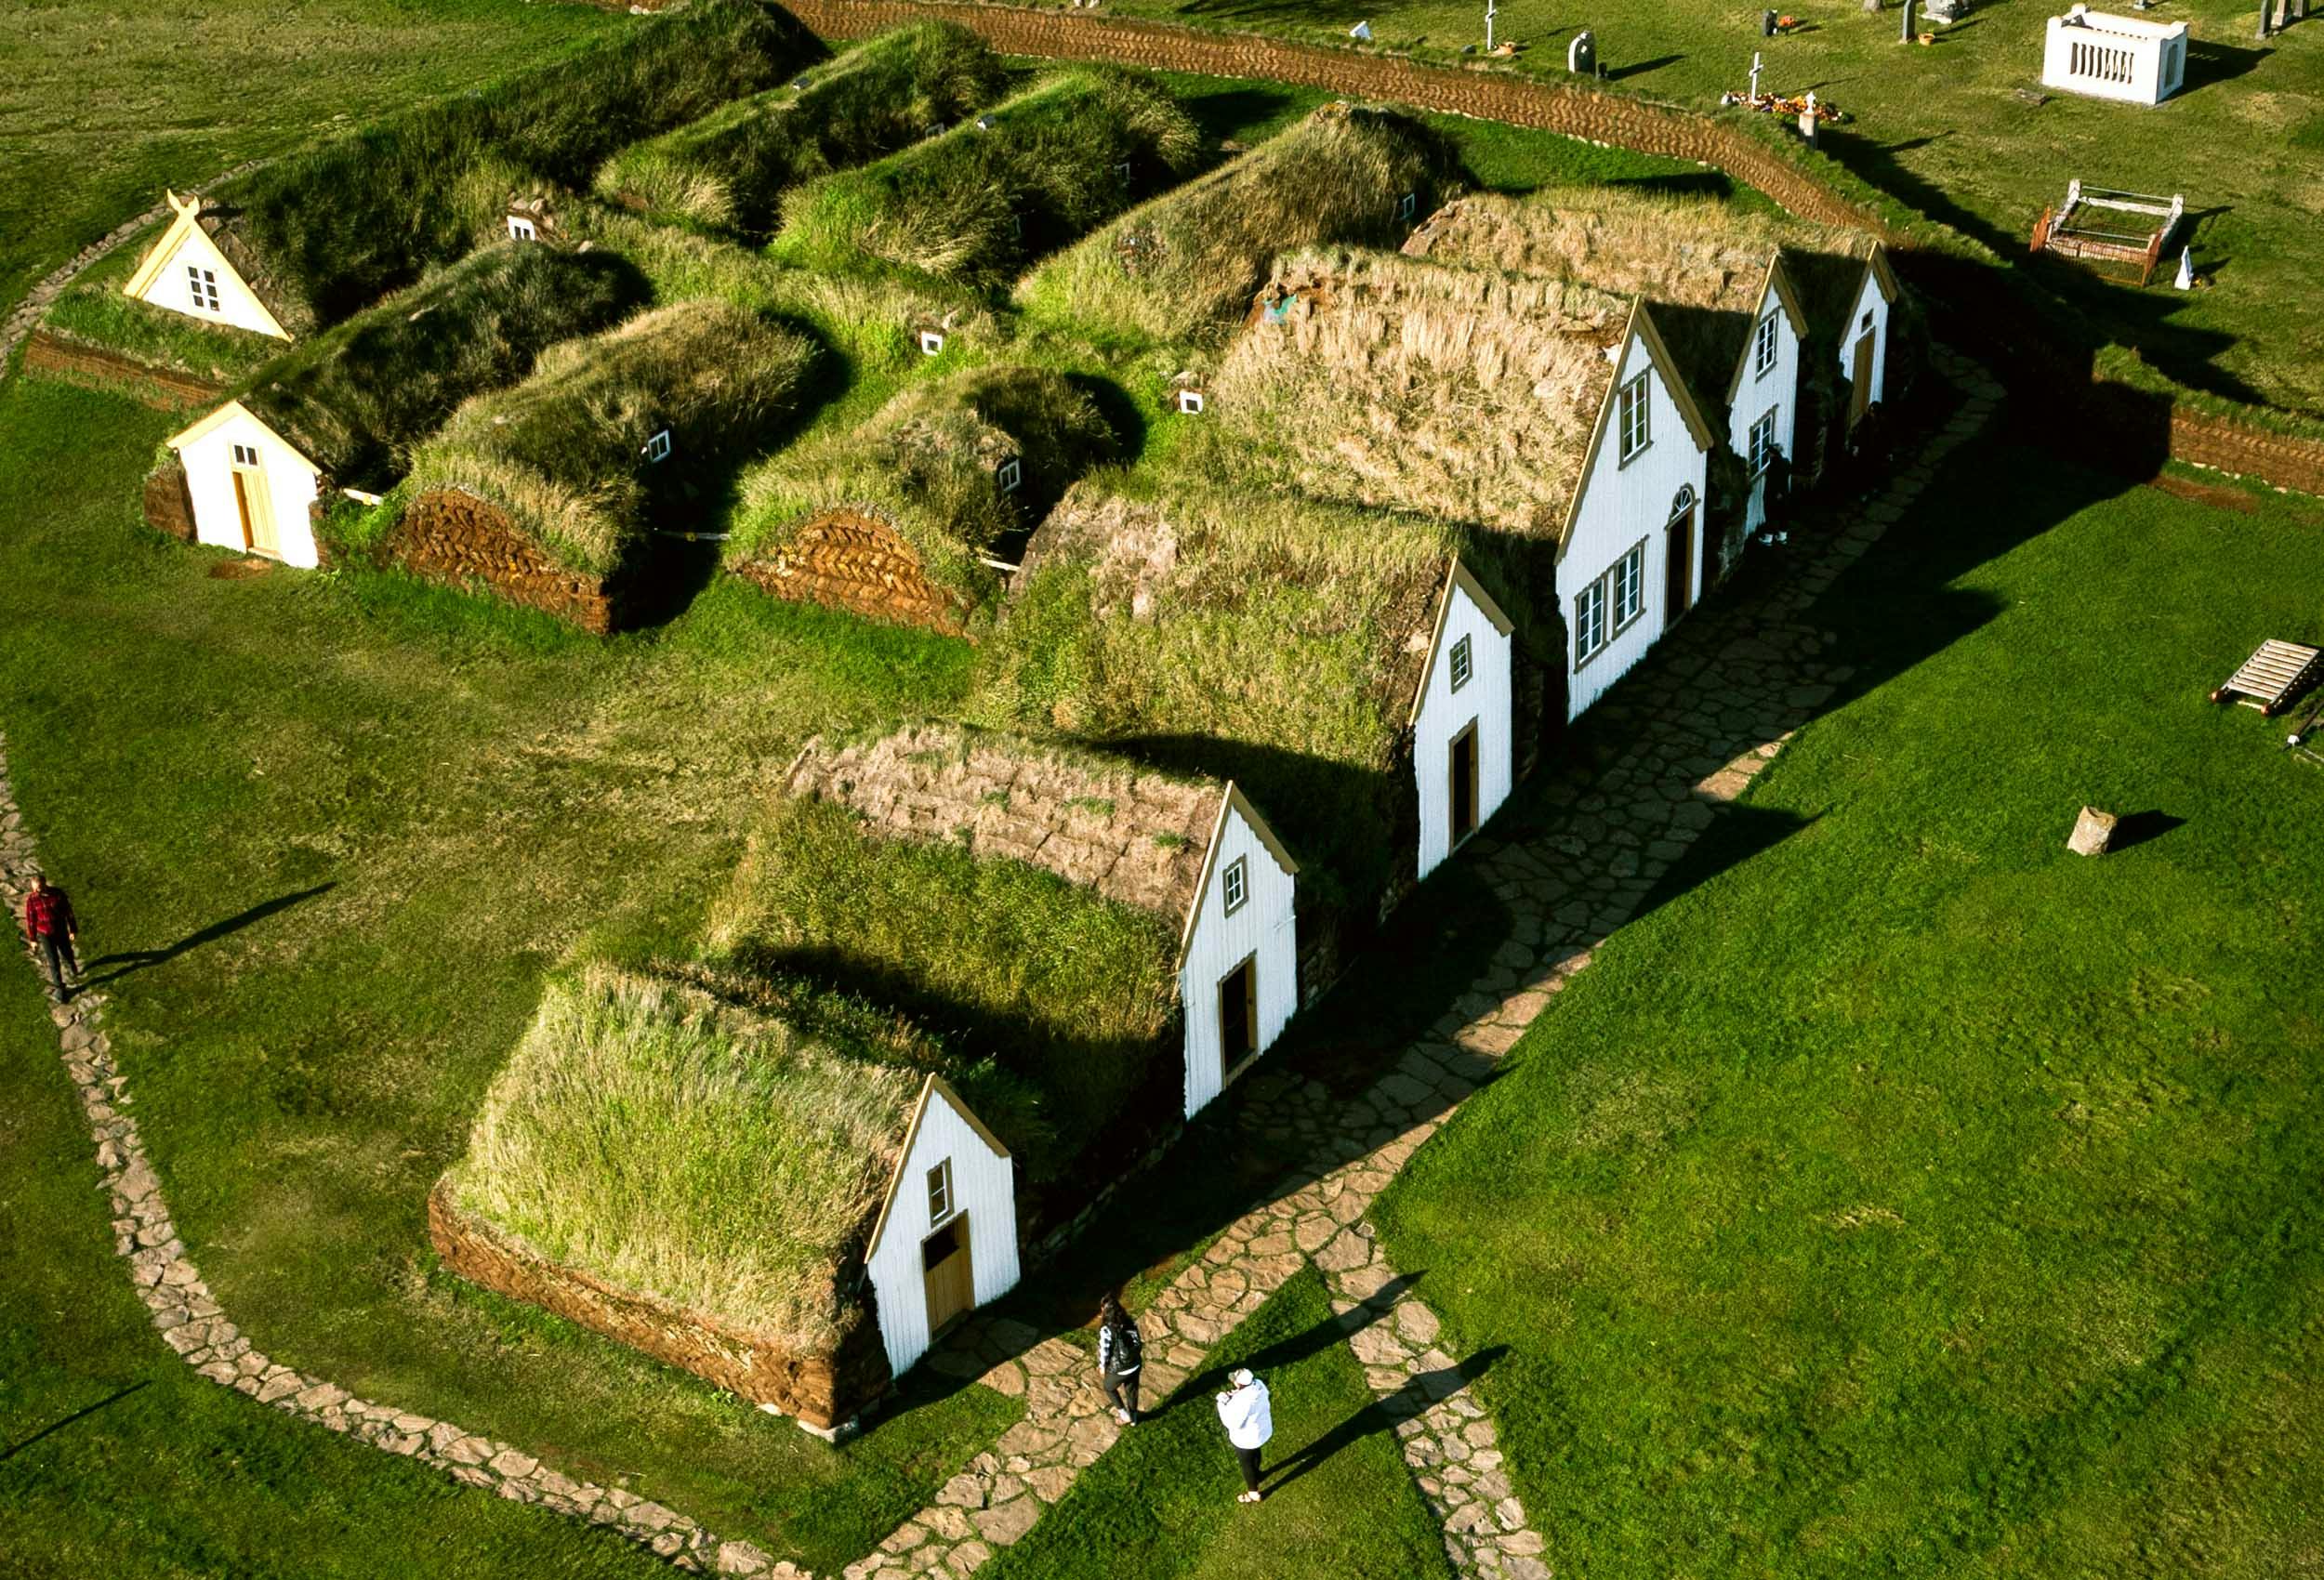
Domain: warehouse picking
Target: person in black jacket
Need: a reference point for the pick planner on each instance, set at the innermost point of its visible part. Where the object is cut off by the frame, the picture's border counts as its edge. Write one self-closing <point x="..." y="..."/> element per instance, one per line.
<point x="1120" y="1354"/>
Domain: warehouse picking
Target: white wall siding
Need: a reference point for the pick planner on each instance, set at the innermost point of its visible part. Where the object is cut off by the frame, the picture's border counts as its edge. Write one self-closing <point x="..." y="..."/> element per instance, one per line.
<point x="1869" y="299"/>
<point x="1621" y="505"/>
<point x="291" y="486"/>
<point x="1445" y="713"/>
<point x="1264" y="926"/>
<point x="173" y="288"/>
<point x="1780" y="388"/>
<point x="985" y="1186"/>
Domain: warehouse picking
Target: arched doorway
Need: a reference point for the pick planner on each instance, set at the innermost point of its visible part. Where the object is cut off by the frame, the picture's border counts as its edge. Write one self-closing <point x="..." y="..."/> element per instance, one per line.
<point x="1678" y="558"/>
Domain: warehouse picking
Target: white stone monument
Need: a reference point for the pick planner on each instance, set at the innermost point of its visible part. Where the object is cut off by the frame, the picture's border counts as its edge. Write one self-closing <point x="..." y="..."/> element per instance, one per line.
<point x="2120" y="57"/>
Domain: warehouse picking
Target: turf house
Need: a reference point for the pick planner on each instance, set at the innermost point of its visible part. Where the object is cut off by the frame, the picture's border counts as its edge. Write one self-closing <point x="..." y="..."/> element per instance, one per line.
<point x="1348" y="667"/>
<point x="319" y="235"/>
<point x="548" y="492"/>
<point x="1539" y="409"/>
<point x="913" y="517"/>
<point x="794" y="1203"/>
<point x="1194" y="854"/>
<point x="337" y="412"/>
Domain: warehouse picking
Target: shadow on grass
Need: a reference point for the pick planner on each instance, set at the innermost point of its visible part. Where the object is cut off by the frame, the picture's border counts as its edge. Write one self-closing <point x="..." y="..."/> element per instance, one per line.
<point x="1382" y="1415"/>
<point x="80" y="1415"/>
<point x="2137" y="828"/>
<point x="128" y="960"/>
<point x="1617" y="74"/>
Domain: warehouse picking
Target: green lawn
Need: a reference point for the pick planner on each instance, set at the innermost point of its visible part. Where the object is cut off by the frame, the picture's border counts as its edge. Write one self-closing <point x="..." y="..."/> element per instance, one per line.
<point x="1940" y="130"/>
<point x="1914" y="1197"/>
<point x="1161" y="1506"/>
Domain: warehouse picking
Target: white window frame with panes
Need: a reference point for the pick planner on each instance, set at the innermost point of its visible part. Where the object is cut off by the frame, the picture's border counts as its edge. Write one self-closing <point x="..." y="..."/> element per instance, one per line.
<point x="1610" y="605"/>
<point x="1765" y="348"/>
<point x="1634" y="408"/>
<point x="1763" y="439"/>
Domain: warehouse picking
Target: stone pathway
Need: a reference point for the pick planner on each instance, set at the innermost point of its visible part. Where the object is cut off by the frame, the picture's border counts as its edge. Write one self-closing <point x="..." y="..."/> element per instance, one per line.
<point x="1694" y="747"/>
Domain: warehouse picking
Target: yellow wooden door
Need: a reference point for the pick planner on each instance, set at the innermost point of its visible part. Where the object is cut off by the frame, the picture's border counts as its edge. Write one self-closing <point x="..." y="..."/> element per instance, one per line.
<point x="259" y="534"/>
<point x="948" y="1274"/>
<point x="1861" y="396"/>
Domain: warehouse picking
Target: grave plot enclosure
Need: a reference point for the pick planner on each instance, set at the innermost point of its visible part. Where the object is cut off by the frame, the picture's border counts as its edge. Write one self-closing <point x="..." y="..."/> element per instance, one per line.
<point x="1020" y="180"/>
<point x="731" y="168"/>
<point x="546" y="492"/>
<point x="904" y="519"/>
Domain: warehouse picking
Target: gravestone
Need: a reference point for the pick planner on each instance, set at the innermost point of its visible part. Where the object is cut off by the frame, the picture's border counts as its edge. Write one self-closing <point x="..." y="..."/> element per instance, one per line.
<point x="1767" y="24"/>
<point x="1905" y="35"/>
<point x="2094" y="832"/>
<point x="1582" y="55"/>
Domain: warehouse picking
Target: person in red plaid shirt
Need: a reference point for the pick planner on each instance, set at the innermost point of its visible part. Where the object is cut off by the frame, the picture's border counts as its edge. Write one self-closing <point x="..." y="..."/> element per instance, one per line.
<point x="49" y="927"/>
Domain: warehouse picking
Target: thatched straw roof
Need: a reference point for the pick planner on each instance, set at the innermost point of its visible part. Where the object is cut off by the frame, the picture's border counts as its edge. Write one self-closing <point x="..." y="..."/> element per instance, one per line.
<point x="1384" y="381"/>
<point x="1135" y="836"/>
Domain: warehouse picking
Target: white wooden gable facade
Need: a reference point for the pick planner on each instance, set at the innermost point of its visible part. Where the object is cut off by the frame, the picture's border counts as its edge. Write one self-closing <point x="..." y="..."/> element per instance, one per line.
<point x="1764" y="399"/>
<point x="1863" y="338"/>
<point x="1629" y="562"/>
<point x="1238" y="951"/>
<point x="946" y="1241"/>
<point x="1463" y="718"/>
<point x="185" y="271"/>
<point x="251" y="487"/>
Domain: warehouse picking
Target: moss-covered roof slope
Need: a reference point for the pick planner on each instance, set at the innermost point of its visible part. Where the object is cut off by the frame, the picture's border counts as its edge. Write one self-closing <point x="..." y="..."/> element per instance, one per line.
<point x="710" y="1148"/>
<point x="1185" y="265"/>
<point x="975" y="204"/>
<point x="571" y="453"/>
<point x="730" y="169"/>
<point x="355" y="398"/>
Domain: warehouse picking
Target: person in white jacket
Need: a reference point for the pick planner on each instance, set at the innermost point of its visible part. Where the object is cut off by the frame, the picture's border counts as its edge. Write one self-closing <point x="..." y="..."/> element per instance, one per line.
<point x="1249" y="1420"/>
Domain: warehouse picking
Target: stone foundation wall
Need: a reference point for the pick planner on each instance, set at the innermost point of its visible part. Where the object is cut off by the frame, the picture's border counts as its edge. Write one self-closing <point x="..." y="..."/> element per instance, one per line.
<point x="168" y="500"/>
<point x="47" y="355"/>
<point x="821" y="1390"/>
<point x="446" y="535"/>
<point x="847" y="559"/>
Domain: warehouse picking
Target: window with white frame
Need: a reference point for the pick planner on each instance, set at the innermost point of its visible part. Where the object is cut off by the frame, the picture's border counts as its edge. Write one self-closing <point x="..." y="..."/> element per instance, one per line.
<point x="245" y="455"/>
<point x="1011" y="474"/>
<point x="202" y="283"/>
<point x="1408" y="207"/>
<point x="1763" y="440"/>
<point x="939" y="1193"/>
<point x="1866" y="324"/>
<point x="1190" y="402"/>
<point x="1635" y="407"/>
<point x="1763" y="348"/>
<point x="1463" y="663"/>
<point x="932" y="343"/>
<point x="657" y="448"/>
<point x="1629" y="578"/>
<point x="1234" y="882"/>
<point x="523" y="230"/>
<point x="1589" y="622"/>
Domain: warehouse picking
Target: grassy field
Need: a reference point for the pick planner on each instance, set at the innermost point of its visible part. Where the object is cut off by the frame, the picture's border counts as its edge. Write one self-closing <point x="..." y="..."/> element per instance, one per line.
<point x="1916" y="1198"/>
<point x="1939" y="129"/>
<point x="1161" y="1506"/>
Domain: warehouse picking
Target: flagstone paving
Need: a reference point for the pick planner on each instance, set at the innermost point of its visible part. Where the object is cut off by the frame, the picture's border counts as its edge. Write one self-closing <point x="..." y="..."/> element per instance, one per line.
<point x="1708" y="712"/>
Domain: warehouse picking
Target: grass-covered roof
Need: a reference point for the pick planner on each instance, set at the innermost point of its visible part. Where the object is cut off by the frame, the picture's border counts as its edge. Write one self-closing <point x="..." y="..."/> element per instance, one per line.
<point x="563" y="453"/>
<point x="327" y="231"/>
<point x="1185" y="265"/>
<point x="731" y="168"/>
<point x="1049" y="999"/>
<point x="1027" y="177"/>
<point x="720" y="1151"/>
<point x="929" y="464"/>
<point x="1181" y="617"/>
<point x="357" y="397"/>
<point x="1380" y="380"/>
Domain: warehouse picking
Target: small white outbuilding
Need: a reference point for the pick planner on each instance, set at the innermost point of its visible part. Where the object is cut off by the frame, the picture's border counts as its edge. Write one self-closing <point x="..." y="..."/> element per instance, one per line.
<point x="2125" y="58"/>
<point x="251" y="489"/>
<point x="192" y="270"/>
<point x="1463" y="718"/>
<point x="1864" y="334"/>
<point x="945" y="1240"/>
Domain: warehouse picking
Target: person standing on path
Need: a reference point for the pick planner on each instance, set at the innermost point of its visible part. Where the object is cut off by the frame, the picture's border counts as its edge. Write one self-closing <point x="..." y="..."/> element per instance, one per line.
<point x="1249" y="1418"/>
<point x="49" y="927"/>
<point x="1120" y="1354"/>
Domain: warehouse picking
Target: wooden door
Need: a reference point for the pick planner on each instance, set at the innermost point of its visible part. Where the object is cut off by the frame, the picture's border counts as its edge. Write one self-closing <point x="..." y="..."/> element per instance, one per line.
<point x="946" y="1270"/>
<point x="1860" y="394"/>
<point x="1678" y="565"/>
<point x="1464" y="783"/>
<point x="259" y="535"/>
<point x="242" y="506"/>
<point x="1238" y="1015"/>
